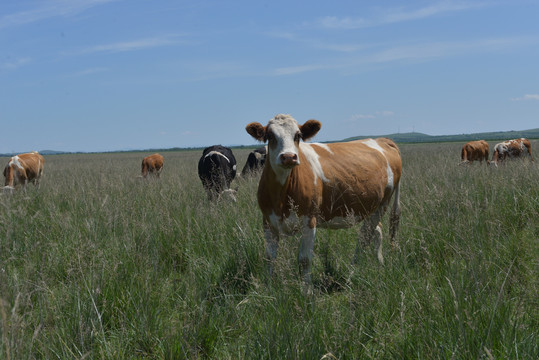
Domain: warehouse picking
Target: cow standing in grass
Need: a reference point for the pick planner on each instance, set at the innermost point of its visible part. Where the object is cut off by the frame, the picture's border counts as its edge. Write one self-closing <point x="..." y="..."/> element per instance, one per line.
<point x="153" y="165"/>
<point x="305" y="186"/>
<point x="216" y="170"/>
<point x="23" y="168"/>
<point x="474" y="150"/>
<point x="511" y="149"/>
<point x="255" y="161"/>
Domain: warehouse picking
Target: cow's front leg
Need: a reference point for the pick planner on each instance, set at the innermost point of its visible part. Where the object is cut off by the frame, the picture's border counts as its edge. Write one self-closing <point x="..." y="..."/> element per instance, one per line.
<point x="306" y="248"/>
<point x="272" y="244"/>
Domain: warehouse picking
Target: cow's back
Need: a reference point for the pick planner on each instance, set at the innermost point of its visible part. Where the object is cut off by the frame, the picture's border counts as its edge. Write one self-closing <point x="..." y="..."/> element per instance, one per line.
<point x="33" y="164"/>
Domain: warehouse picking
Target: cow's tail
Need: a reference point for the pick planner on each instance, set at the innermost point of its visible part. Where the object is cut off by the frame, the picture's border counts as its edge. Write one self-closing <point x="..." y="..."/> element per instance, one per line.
<point x="395" y="214"/>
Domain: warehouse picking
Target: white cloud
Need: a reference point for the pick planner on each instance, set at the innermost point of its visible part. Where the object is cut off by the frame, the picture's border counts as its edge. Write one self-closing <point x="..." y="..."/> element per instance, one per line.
<point x="91" y="71"/>
<point x="49" y="9"/>
<point x="396" y="15"/>
<point x="415" y="52"/>
<point x="527" y="97"/>
<point x="15" y="64"/>
<point x="316" y="43"/>
<point x="290" y="70"/>
<point x="139" y="44"/>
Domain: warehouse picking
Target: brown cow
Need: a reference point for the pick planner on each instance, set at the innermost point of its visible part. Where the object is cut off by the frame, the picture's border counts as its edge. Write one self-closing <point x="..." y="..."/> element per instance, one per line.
<point x="511" y="149"/>
<point x="23" y="168"/>
<point x="474" y="150"/>
<point x="152" y="164"/>
<point x="335" y="185"/>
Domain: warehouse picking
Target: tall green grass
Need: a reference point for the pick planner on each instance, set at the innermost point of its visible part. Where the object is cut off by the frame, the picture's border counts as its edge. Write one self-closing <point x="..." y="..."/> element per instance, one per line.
<point x="100" y="264"/>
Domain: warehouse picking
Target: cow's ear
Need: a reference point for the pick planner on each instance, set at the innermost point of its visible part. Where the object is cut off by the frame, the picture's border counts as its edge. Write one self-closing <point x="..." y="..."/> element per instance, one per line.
<point x="310" y="129"/>
<point x="257" y="131"/>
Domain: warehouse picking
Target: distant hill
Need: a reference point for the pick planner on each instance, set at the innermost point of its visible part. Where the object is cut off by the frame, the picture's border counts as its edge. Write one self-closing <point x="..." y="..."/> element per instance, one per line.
<point x="414" y="137"/>
<point x="51" y="152"/>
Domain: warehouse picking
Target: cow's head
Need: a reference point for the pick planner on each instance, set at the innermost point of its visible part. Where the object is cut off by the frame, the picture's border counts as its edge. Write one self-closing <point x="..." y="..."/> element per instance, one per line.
<point x="283" y="135"/>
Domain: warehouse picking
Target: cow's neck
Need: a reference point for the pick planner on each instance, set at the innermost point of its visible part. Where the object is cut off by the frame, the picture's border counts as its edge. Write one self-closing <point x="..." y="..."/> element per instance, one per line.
<point x="278" y="183"/>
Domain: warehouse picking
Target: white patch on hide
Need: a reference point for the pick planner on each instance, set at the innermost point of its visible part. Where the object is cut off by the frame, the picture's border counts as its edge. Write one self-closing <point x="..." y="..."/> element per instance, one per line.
<point x="314" y="162"/>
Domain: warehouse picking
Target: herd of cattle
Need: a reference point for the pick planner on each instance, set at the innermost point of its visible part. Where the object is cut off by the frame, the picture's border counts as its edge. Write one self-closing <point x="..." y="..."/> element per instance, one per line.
<point x="479" y="150"/>
<point x="303" y="185"/>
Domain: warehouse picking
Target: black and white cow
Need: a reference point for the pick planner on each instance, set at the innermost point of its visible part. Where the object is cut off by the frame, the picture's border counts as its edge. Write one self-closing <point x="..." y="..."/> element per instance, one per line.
<point x="255" y="161"/>
<point x="217" y="169"/>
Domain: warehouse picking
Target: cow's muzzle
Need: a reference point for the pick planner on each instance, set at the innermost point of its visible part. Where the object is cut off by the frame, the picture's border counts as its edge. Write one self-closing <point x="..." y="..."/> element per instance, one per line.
<point x="289" y="160"/>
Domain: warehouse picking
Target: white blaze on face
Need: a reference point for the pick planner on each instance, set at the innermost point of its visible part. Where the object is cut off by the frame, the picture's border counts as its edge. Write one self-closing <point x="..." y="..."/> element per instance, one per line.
<point x="501" y="147"/>
<point x="283" y="129"/>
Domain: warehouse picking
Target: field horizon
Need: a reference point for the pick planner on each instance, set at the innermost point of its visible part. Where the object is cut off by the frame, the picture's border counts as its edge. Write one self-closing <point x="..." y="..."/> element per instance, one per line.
<point x="399" y="138"/>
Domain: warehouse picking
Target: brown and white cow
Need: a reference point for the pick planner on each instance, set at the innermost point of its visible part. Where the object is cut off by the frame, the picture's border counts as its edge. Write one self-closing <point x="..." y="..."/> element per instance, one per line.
<point x="474" y="150"/>
<point x="304" y="186"/>
<point x="511" y="149"/>
<point x="23" y="168"/>
<point x="152" y="164"/>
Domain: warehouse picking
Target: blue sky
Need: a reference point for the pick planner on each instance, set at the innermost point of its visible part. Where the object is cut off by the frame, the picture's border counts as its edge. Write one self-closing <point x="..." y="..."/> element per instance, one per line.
<point x="104" y="75"/>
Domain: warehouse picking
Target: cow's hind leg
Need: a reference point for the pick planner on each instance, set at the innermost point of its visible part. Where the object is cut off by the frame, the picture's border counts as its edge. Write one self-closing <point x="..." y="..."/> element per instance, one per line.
<point x="371" y="230"/>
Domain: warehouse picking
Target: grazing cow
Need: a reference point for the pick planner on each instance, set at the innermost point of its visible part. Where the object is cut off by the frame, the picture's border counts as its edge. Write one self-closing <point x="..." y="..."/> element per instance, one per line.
<point x="255" y="161"/>
<point x="152" y="164"/>
<point x="474" y="150"/>
<point x="23" y="168"/>
<point x="216" y="170"/>
<point x="511" y="149"/>
<point x="335" y="185"/>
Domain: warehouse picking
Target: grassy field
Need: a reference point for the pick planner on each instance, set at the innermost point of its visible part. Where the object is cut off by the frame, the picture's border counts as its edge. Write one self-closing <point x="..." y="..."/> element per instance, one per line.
<point x="99" y="264"/>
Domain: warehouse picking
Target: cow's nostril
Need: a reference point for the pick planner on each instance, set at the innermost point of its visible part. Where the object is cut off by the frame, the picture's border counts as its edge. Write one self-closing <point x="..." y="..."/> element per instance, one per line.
<point x="289" y="159"/>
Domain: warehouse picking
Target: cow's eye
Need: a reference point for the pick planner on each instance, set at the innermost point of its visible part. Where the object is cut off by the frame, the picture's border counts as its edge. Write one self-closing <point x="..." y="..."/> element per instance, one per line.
<point x="297" y="137"/>
<point x="270" y="136"/>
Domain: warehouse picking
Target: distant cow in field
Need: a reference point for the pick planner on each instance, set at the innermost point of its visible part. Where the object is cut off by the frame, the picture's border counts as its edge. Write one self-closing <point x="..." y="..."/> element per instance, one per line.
<point x="153" y="165"/>
<point x="255" y="161"/>
<point x="475" y="150"/>
<point x="305" y="186"/>
<point x="216" y="170"/>
<point x="23" y="168"/>
<point x="511" y="149"/>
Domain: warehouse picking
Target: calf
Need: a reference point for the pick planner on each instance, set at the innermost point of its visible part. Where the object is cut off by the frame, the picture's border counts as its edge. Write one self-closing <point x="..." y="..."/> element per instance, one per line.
<point x="255" y="161"/>
<point x="511" y="149"/>
<point x="305" y="186"/>
<point x="474" y="150"/>
<point x="216" y="170"/>
<point x="152" y="164"/>
<point x="23" y="168"/>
